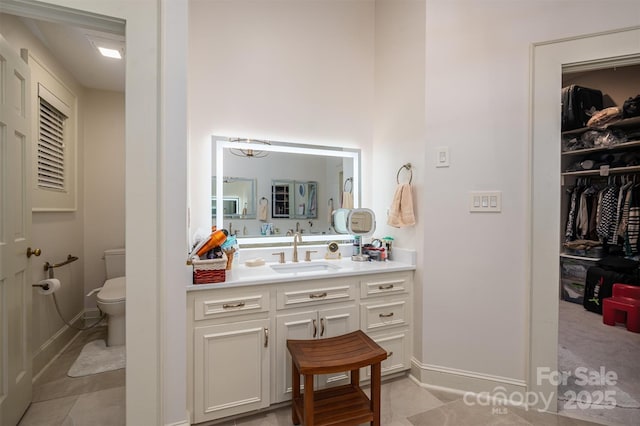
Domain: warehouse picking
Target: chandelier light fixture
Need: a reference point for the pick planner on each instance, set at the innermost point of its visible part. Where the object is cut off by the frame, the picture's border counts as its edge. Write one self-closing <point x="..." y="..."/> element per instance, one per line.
<point x="249" y="152"/>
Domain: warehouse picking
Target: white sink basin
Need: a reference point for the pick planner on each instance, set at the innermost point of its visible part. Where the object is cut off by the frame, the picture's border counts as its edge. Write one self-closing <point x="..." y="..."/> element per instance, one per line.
<point x="287" y="268"/>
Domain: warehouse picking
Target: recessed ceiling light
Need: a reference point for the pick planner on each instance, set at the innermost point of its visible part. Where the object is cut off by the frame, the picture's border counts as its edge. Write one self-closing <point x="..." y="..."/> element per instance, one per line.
<point x="110" y="53"/>
<point x="108" y="47"/>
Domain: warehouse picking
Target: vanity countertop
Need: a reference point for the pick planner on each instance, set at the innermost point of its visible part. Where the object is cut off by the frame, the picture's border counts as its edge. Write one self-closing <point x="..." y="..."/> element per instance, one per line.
<point x="242" y="275"/>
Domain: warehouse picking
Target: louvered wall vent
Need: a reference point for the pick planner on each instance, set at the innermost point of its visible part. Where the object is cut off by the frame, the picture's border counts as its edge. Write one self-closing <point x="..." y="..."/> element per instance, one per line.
<point x="51" y="150"/>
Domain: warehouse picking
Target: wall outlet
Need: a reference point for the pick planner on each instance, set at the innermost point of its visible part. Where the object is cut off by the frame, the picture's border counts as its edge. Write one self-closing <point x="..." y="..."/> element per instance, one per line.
<point x="485" y="201"/>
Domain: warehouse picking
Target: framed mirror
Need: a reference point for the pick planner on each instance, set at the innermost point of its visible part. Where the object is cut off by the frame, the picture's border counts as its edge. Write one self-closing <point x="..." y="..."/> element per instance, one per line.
<point x="239" y="199"/>
<point x="310" y="181"/>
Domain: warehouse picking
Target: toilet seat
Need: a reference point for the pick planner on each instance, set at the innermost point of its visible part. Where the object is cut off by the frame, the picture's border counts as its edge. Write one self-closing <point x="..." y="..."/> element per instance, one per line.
<point x="113" y="291"/>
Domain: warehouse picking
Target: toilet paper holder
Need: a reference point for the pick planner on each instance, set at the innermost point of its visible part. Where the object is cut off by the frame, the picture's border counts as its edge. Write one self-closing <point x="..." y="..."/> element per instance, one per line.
<point x="44" y="286"/>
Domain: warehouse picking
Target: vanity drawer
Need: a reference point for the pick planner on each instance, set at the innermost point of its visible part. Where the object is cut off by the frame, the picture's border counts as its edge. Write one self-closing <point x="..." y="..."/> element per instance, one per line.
<point x="215" y="305"/>
<point x="384" y="285"/>
<point x="377" y="316"/>
<point x="291" y="297"/>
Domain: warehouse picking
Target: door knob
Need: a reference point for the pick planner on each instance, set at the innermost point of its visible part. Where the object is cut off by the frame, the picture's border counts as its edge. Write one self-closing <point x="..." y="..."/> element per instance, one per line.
<point x="36" y="252"/>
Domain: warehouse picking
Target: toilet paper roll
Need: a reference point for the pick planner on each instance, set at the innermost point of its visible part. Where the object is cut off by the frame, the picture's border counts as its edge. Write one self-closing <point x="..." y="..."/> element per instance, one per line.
<point x="53" y="283"/>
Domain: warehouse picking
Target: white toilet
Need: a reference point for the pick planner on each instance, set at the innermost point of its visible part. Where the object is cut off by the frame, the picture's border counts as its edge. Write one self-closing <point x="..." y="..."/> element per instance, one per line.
<point x="111" y="298"/>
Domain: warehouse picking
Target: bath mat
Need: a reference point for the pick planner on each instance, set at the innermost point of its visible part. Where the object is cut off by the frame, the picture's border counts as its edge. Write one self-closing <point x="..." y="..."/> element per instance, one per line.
<point x="96" y="358"/>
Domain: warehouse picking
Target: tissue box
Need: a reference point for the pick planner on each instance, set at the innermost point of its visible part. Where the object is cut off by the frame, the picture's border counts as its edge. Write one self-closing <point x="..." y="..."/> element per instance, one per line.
<point x="209" y="270"/>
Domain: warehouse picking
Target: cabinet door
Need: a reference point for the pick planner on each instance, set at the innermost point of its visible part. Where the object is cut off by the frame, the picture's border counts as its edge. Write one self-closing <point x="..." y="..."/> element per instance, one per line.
<point x="310" y="325"/>
<point x="334" y="322"/>
<point x="231" y="369"/>
<point x="397" y="345"/>
<point x="302" y="325"/>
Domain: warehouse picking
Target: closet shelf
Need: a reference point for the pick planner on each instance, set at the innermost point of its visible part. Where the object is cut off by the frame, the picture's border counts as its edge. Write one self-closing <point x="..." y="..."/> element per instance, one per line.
<point x="615" y="170"/>
<point x="573" y="256"/>
<point x="622" y="124"/>
<point x="624" y="145"/>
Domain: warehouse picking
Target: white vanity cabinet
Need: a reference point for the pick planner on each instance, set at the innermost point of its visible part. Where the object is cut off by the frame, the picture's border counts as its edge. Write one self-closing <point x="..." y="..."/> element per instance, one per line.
<point x="237" y="355"/>
<point x="385" y="315"/>
<point x="230" y="337"/>
<point x="313" y="310"/>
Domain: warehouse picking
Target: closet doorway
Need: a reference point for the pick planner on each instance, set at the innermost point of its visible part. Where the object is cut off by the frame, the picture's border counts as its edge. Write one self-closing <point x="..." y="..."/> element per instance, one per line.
<point x="596" y="161"/>
<point x="548" y="61"/>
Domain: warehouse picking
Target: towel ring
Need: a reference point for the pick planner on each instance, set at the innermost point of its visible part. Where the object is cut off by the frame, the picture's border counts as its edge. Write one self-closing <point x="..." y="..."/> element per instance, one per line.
<point x="350" y="181"/>
<point x="408" y="167"/>
<point x="266" y="201"/>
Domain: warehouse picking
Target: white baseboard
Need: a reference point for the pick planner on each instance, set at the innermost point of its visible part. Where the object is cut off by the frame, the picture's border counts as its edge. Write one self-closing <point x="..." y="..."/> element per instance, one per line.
<point x="180" y="423"/>
<point x="51" y="349"/>
<point x="461" y="381"/>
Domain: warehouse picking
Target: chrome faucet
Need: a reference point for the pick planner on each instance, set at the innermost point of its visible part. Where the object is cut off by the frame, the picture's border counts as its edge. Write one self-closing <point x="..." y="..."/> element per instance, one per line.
<point x="297" y="238"/>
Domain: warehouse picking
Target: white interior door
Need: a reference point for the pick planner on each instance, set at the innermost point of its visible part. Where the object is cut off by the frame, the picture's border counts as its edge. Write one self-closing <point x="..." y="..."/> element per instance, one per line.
<point x="15" y="229"/>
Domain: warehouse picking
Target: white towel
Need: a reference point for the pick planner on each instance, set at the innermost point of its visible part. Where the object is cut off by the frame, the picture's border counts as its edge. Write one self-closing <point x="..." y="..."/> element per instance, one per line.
<point x="263" y="211"/>
<point x="347" y="200"/>
<point x="401" y="211"/>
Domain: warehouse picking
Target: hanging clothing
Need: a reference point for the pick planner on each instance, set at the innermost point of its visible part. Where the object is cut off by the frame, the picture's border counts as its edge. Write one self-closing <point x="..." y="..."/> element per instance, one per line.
<point x="613" y="230"/>
<point x="584" y="211"/>
<point x="608" y="209"/>
<point x="632" y="234"/>
<point x="570" y="229"/>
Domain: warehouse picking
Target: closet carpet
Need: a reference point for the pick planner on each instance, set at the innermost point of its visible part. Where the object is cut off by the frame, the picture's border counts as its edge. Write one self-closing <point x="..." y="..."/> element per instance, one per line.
<point x="584" y="339"/>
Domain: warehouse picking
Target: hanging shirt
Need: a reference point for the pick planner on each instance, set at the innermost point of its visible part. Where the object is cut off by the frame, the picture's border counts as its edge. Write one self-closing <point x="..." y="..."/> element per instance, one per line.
<point x="570" y="230"/>
<point x="632" y="235"/>
<point x="608" y="209"/>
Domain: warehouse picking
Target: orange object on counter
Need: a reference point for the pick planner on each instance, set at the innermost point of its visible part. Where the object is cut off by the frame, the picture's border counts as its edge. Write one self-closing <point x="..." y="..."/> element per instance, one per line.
<point x="216" y="239"/>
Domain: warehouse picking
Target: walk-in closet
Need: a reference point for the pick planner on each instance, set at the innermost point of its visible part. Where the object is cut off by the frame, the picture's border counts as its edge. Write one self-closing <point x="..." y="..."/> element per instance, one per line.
<point x="600" y="180"/>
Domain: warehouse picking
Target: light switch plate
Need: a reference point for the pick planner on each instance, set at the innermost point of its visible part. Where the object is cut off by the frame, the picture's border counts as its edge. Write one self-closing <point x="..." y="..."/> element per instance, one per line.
<point x="485" y="201"/>
<point x="442" y="156"/>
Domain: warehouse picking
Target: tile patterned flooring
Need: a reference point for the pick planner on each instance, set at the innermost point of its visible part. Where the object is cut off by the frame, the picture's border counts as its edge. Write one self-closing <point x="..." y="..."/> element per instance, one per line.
<point x="59" y="400"/>
<point x="99" y="400"/>
<point x="404" y="403"/>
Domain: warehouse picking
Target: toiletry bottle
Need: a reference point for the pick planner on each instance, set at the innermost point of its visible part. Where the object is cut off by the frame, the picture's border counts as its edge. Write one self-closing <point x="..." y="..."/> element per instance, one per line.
<point x="388" y="241"/>
<point x="356" y="246"/>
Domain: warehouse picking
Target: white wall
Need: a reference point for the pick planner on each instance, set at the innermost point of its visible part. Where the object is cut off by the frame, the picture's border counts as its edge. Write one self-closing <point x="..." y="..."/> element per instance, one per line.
<point x="477" y="104"/>
<point x="103" y="141"/>
<point x="150" y="237"/>
<point x="57" y="234"/>
<point x="289" y="70"/>
<point x="399" y="125"/>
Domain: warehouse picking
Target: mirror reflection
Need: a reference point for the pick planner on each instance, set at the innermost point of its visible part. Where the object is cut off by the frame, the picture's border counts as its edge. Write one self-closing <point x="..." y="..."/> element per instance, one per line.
<point x="297" y="187"/>
<point x="239" y="200"/>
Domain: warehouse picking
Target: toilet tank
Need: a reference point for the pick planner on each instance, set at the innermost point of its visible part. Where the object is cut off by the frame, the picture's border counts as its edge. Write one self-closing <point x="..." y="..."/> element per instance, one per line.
<point x="114" y="263"/>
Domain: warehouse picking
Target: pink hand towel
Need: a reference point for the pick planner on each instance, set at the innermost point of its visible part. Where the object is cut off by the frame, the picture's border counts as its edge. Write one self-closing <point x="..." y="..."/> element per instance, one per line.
<point x="401" y="211"/>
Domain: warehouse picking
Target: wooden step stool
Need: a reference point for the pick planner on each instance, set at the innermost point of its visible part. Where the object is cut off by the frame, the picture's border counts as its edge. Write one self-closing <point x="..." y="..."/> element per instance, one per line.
<point x="339" y="405"/>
